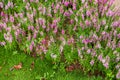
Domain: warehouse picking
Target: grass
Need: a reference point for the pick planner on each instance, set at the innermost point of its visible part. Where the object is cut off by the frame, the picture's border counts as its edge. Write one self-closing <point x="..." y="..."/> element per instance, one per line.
<point x="42" y="68"/>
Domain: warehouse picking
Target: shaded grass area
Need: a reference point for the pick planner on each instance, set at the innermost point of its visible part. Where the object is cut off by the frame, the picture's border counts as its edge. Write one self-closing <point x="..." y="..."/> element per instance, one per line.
<point x="43" y="70"/>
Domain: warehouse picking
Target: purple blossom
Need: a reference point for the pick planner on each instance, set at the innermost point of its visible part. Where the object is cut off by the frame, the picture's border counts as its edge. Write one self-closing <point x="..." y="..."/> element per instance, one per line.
<point x="3" y="14"/>
<point x="118" y="35"/>
<point x="55" y="30"/>
<point x="117" y="66"/>
<point x="31" y="47"/>
<point x="88" y="51"/>
<point x="34" y="35"/>
<point x="92" y="62"/>
<point x="118" y="75"/>
<point x="1" y="4"/>
<point x="109" y="13"/>
<point x="106" y="65"/>
<point x="61" y="10"/>
<point x="66" y="3"/>
<point x="103" y="22"/>
<point x="87" y="23"/>
<point x="71" y="21"/>
<point x="63" y="32"/>
<point x="2" y="43"/>
<point x="70" y="41"/>
<point x="88" y="13"/>
<point x="11" y="19"/>
<point x="83" y="1"/>
<point x="74" y="6"/>
<point x="8" y="37"/>
<point x="57" y="6"/>
<point x="43" y="26"/>
<point x="93" y="54"/>
<point x="100" y="57"/>
<point x="67" y="14"/>
<point x="85" y="41"/>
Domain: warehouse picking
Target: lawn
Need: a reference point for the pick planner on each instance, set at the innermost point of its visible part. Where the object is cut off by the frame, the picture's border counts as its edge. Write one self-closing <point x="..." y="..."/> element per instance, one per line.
<point x="40" y="70"/>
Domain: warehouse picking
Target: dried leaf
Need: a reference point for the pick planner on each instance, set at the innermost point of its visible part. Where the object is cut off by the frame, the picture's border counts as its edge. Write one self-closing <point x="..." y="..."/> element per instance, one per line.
<point x="19" y="66"/>
<point x="70" y="68"/>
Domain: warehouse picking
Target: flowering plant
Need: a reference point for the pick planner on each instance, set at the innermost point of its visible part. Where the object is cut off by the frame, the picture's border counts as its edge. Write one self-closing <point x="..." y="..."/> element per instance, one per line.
<point x="84" y="30"/>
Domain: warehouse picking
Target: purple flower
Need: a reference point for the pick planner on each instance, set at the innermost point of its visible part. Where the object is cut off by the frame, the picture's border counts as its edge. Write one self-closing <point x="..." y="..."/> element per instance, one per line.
<point x="70" y="41"/>
<point x="44" y="41"/>
<point x="74" y="6"/>
<point x="3" y="14"/>
<point x="66" y="3"/>
<point x="83" y="16"/>
<point x="88" y="13"/>
<point x="81" y="37"/>
<point x="43" y="26"/>
<point x="67" y="14"/>
<point x="1" y="4"/>
<point x="93" y="54"/>
<point x="87" y="23"/>
<point x="109" y="13"/>
<point x="106" y="65"/>
<point x="61" y="9"/>
<point x="11" y="19"/>
<point x="115" y="24"/>
<point x="103" y="22"/>
<point x="88" y="51"/>
<point x="118" y="35"/>
<point x="118" y="75"/>
<point x="100" y="57"/>
<point x="117" y="66"/>
<point x="2" y="43"/>
<point x="8" y="37"/>
<point x="57" y="6"/>
<point x="92" y="62"/>
<point x="29" y="37"/>
<point x="85" y="41"/>
<point x="34" y="35"/>
<point x="55" y="30"/>
<point x="31" y="47"/>
<point x="83" y="1"/>
<point x="63" y="32"/>
<point x="31" y="0"/>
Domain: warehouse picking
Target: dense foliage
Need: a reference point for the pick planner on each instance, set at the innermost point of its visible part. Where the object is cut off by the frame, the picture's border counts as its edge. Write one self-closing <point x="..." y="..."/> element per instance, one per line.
<point x="86" y="31"/>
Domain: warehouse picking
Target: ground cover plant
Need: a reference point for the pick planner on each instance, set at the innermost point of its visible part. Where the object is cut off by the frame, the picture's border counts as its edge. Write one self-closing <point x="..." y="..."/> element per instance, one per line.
<point x="80" y="34"/>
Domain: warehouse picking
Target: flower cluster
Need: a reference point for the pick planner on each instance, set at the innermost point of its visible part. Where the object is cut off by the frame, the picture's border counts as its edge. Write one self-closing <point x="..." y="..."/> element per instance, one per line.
<point x="89" y="27"/>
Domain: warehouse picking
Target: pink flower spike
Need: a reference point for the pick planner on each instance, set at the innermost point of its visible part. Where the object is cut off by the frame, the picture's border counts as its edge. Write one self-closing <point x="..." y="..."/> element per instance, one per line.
<point x="106" y="65"/>
<point x="92" y="62"/>
<point x="43" y="26"/>
<point x="2" y="43"/>
<point x="55" y="30"/>
<point x="83" y="1"/>
<point x="67" y="14"/>
<point x="74" y="6"/>
<point x="118" y="75"/>
<point x="31" y="47"/>
<point x="1" y="4"/>
<point x="66" y="3"/>
<point x="100" y="57"/>
<point x="63" y="32"/>
<point x="11" y="19"/>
